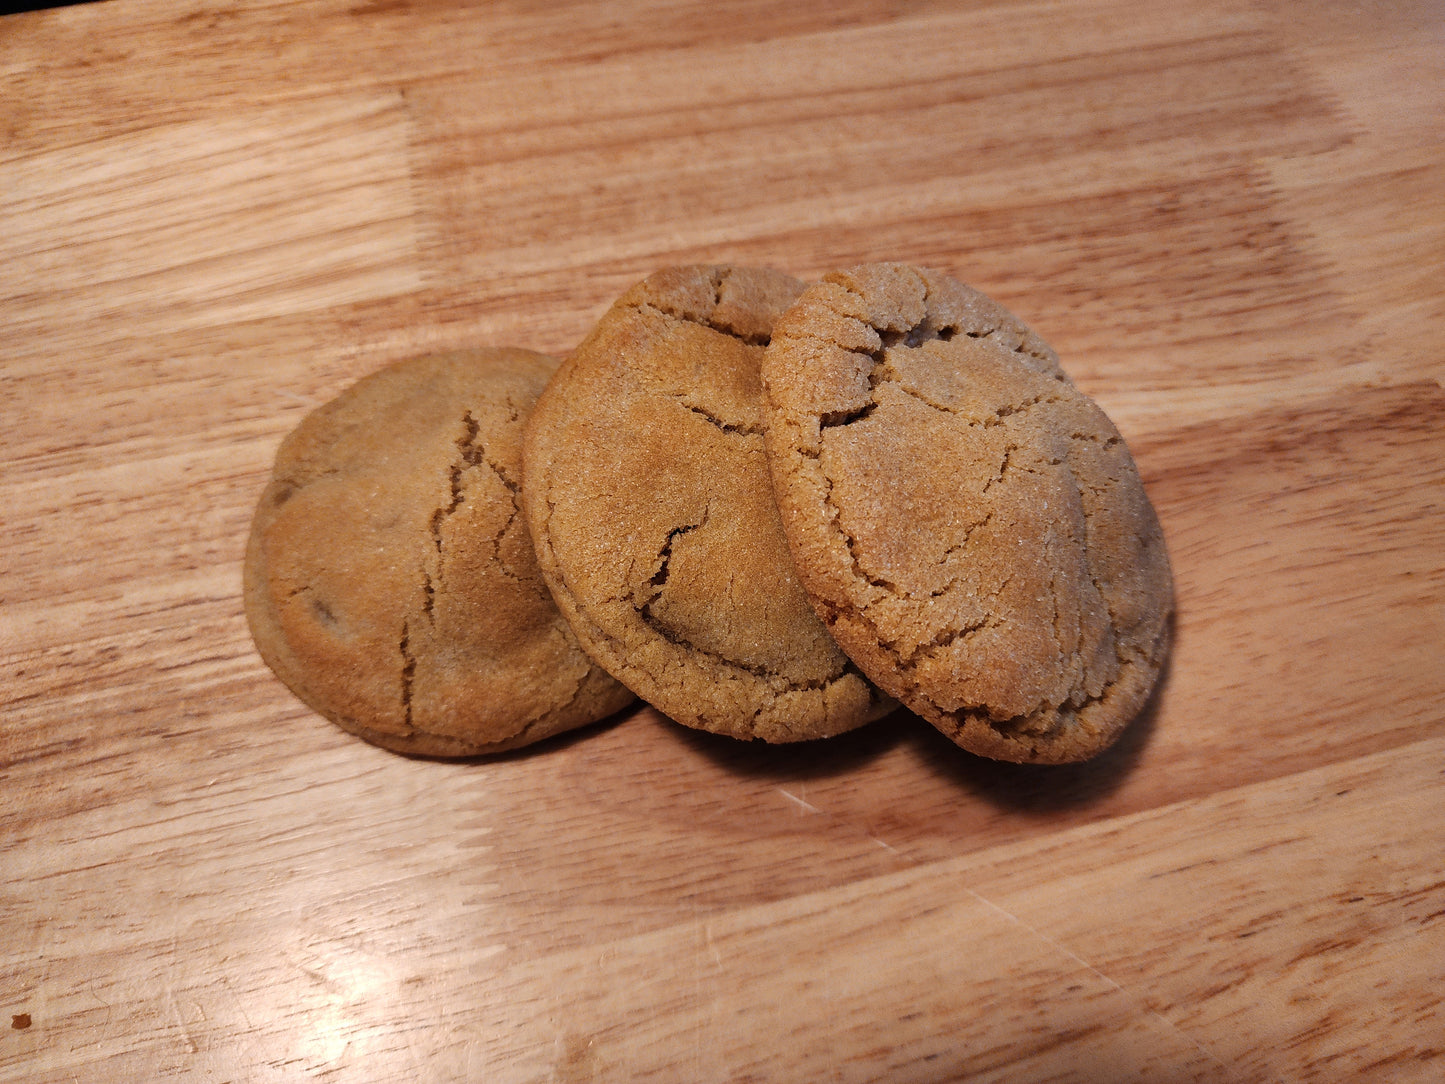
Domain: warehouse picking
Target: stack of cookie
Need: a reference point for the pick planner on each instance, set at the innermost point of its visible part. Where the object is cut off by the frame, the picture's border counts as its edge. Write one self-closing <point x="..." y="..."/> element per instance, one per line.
<point x="771" y="511"/>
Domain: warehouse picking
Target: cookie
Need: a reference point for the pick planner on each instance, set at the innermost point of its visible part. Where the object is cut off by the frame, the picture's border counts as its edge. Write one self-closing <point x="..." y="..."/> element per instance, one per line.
<point x="648" y="498"/>
<point x="389" y="579"/>
<point x="969" y="525"/>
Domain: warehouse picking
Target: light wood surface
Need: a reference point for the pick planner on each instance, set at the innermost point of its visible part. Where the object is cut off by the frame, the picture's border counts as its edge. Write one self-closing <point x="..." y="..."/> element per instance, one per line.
<point x="1229" y="219"/>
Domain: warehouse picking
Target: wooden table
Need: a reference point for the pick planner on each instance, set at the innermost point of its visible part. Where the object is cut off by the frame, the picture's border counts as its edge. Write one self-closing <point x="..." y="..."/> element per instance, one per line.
<point x="1229" y="218"/>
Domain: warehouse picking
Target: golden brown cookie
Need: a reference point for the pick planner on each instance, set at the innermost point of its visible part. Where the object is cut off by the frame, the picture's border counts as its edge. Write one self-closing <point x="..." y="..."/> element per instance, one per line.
<point x="648" y="498"/>
<point x="389" y="579"/>
<point x="969" y="525"/>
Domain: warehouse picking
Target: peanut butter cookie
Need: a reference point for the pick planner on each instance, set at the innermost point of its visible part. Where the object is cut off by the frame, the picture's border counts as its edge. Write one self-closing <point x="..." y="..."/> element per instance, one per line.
<point x="389" y="579"/>
<point x="648" y="498"/>
<point x="969" y="525"/>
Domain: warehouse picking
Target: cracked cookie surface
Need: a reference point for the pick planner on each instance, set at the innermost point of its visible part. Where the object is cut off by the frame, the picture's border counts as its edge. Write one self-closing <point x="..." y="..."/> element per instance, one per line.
<point x="389" y="578"/>
<point x="969" y="525"/>
<point x="648" y="498"/>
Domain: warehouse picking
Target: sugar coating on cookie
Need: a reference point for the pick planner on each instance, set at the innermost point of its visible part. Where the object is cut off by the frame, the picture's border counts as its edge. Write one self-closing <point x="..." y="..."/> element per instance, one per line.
<point x="648" y="498"/>
<point x="970" y="526"/>
<point x="389" y="578"/>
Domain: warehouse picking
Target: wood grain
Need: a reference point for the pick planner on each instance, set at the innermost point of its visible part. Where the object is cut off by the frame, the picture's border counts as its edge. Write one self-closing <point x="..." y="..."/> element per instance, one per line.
<point x="1226" y="217"/>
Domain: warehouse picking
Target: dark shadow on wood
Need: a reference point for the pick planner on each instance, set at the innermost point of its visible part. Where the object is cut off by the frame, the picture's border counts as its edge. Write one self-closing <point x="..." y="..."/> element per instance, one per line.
<point x="1025" y="788"/>
<point x="1045" y="788"/>
<point x="817" y="759"/>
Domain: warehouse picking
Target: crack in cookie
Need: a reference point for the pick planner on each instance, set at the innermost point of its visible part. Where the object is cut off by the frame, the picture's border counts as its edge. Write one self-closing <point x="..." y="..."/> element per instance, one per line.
<point x="748" y="322"/>
<point x="408" y="676"/>
<point x="749" y="429"/>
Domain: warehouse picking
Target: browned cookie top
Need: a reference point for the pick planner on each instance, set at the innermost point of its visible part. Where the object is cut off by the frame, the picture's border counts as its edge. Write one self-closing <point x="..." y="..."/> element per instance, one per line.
<point x="970" y="526"/>
<point x="390" y="581"/>
<point x="648" y="498"/>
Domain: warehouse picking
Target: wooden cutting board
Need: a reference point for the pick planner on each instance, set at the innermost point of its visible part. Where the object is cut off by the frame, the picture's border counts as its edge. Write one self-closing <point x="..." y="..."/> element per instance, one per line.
<point x="1228" y="218"/>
